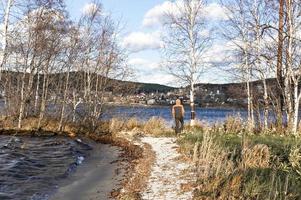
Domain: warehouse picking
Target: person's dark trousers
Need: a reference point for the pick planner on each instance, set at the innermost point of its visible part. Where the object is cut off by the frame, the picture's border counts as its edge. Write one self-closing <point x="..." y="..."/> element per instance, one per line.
<point x="179" y="125"/>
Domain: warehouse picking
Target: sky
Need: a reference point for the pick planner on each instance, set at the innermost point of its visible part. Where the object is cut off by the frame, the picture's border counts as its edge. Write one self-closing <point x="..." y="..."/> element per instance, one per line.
<point x="140" y="35"/>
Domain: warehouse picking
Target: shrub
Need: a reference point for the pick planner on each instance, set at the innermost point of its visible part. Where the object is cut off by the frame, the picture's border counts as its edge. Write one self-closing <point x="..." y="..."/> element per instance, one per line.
<point x="132" y="123"/>
<point x="155" y="126"/>
<point x="213" y="159"/>
<point x="116" y="125"/>
<point x="257" y="156"/>
<point x="234" y="125"/>
<point x="295" y="159"/>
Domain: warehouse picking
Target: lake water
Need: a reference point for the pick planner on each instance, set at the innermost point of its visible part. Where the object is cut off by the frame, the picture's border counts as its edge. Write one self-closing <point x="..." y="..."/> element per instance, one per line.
<point x="34" y="168"/>
<point x="210" y="115"/>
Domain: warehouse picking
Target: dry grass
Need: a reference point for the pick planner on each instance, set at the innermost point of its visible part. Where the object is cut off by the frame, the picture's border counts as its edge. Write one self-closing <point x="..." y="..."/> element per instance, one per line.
<point x="241" y="166"/>
<point x="234" y="125"/>
<point x="213" y="160"/>
<point x="138" y="176"/>
<point x="212" y="164"/>
<point x="116" y="125"/>
<point x="257" y="156"/>
<point x="132" y="123"/>
<point x="155" y="126"/>
<point x="295" y="159"/>
<point x="199" y="126"/>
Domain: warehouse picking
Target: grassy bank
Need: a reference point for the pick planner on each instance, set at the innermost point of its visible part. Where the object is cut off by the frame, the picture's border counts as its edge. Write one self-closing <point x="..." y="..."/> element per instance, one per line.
<point x="243" y="166"/>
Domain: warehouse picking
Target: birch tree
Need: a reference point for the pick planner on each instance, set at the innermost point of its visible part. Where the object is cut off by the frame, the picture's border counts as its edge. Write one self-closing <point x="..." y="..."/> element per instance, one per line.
<point x="260" y="15"/>
<point x="101" y="58"/>
<point x="35" y="47"/>
<point x="184" y="46"/>
<point x="237" y="32"/>
<point x="292" y="71"/>
<point x="71" y="50"/>
<point x="279" y="67"/>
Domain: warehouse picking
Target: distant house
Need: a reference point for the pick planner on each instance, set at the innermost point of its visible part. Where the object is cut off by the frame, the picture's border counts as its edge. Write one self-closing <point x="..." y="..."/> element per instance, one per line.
<point x="151" y="102"/>
<point x="142" y="102"/>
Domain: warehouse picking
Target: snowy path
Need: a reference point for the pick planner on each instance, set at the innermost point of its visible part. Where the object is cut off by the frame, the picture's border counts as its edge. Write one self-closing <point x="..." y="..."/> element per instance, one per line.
<point x="168" y="174"/>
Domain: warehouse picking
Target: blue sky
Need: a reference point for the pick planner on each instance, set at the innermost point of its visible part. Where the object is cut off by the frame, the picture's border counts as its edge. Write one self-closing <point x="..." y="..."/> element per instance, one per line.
<point x="141" y="35"/>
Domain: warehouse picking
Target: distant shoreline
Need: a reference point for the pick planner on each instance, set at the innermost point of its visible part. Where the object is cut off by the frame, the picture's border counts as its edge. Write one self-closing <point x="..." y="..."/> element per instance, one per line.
<point x="160" y="105"/>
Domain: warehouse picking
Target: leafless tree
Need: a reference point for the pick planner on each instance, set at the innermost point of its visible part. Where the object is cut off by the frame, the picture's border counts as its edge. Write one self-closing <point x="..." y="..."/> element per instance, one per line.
<point x="100" y="60"/>
<point x="54" y="64"/>
<point x="184" y="46"/>
<point x="71" y="53"/>
<point x="237" y="31"/>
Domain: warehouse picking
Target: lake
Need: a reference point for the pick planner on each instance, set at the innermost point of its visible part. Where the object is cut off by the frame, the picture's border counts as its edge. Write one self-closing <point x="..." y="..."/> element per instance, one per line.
<point x="143" y="113"/>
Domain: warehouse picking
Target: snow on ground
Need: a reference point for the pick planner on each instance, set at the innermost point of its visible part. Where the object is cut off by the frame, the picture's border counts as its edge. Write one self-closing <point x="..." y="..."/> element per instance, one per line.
<point x="168" y="172"/>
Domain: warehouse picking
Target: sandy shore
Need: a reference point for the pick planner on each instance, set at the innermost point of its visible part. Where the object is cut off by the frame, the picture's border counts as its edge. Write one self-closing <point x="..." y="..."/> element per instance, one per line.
<point x="95" y="178"/>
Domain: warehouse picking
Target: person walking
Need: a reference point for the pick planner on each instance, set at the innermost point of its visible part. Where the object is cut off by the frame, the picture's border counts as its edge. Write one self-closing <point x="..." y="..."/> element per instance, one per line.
<point x="178" y="114"/>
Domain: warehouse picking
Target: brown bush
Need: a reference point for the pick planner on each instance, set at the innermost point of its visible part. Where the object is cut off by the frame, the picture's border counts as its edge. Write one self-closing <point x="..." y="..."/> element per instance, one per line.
<point x="257" y="156"/>
<point x="116" y="125"/>
<point x="198" y="126"/>
<point x="213" y="160"/>
<point x="155" y="126"/>
<point x="132" y="123"/>
<point x="214" y="167"/>
<point x="234" y="125"/>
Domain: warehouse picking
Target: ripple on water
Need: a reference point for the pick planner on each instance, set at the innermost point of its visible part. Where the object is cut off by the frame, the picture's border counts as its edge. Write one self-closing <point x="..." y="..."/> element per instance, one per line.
<point x="30" y="167"/>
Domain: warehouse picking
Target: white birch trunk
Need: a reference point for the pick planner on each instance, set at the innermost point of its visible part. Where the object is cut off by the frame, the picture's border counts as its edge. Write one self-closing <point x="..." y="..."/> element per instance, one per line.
<point x="249" y="94"/>
<point x="193" y="62"/>
<point x="64" y="102"/>
<point x="288" y="77"/>
<point x="37" y="93"/>
<point x="296" y="108"/>
<point x="22" y="103"/>
<point x="75" y="104"/>
<point x="266" y="104"/>
<point x="192" y="121"/>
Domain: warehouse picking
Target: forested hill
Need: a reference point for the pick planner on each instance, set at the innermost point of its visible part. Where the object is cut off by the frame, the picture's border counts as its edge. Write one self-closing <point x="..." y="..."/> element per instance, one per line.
<point x="76" y="79"/>
<point x="151" y="87"/>
<point x="127" y="87"/>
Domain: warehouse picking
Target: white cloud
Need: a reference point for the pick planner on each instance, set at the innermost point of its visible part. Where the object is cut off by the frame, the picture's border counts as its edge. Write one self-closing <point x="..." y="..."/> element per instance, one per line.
<point x="223" y="50"/>
<point x="150" y="71"/>
<point x="89" y="8"/>
<point x="139" y="41"/>
<point x="144" y="64"/>
<point x="215" y="11"/>
<point x="161" y="78"/>
<point x="156" y="15"/>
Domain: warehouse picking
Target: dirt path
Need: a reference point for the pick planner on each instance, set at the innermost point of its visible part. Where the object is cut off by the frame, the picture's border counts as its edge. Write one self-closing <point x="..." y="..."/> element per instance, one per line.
<point x="169" y="174"/>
